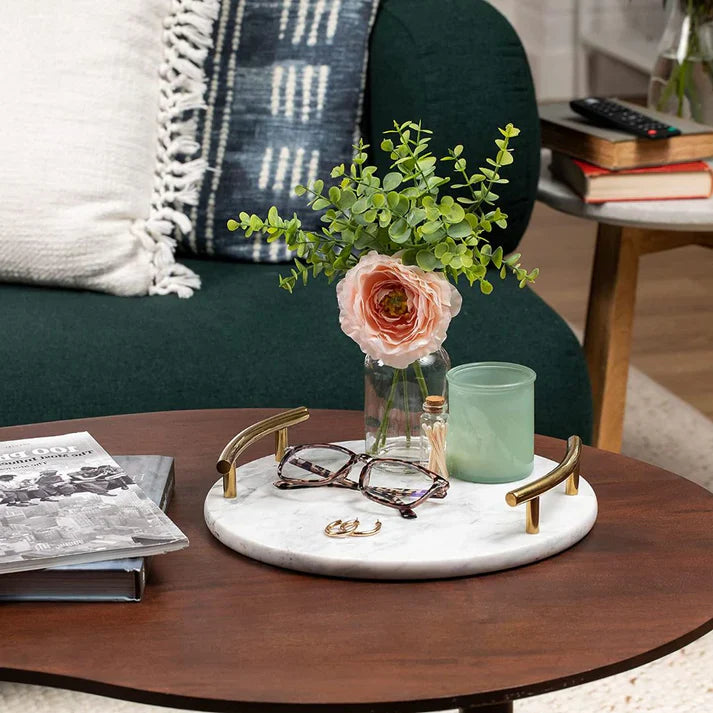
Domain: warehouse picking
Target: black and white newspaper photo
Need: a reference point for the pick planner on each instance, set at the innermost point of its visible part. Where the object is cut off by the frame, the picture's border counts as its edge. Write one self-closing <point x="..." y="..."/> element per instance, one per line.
<point x="64" y="500"/>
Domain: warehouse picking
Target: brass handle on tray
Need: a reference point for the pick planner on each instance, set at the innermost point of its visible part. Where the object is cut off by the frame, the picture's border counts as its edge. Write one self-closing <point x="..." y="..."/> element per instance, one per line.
<point x="567" y="469"/>
<point x="277" y="424"/>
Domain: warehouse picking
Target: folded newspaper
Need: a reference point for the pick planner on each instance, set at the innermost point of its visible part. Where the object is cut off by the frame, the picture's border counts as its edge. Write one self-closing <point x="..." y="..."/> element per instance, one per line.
<point x="64" y="500"/>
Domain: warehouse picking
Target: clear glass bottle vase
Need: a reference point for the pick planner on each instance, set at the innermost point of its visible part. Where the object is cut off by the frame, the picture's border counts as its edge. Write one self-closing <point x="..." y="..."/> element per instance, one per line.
<point x="393" y="400"/>
<point x="682" y="78"/>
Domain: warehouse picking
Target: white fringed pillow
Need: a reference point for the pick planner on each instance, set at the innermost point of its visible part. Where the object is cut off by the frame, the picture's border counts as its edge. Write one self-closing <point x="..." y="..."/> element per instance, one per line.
<point x="97" y="161"/>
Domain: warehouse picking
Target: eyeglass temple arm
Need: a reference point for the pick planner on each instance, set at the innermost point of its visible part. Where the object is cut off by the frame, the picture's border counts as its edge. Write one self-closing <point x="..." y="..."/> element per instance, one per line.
<point x="277" y="424"/>
<point x="567" y="469"/>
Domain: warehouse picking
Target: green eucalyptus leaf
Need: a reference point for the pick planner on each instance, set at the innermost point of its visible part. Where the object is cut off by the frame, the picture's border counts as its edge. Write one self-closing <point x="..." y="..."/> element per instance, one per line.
<point x="320" y="203"/>
<point x="431" y="227"/>
<point x="456" y="214"/>
<point x="233" y="225"/>
<point x="441" y="249"/>
<point x="399" y="231"/>
<point x="393" y="199"/>
<point x="334" y="195"/>
<point x="485" y="287"/>
<point x="432" y="213"/>
<point x="460" y="230"/>
<point x="346" y="199"/>
<point x="415" y="216"/>
<point x="435" y="237"/>
<point x="364" y="240"/>
<point x="426" y="260"/>
<point x="426" y="163"/>
<point x="408" y="256"/>
<point x="391" y="181"/>
<point x="359" y="206"/>
<point x="497" y="256"/>
<point x="411" y="192"/>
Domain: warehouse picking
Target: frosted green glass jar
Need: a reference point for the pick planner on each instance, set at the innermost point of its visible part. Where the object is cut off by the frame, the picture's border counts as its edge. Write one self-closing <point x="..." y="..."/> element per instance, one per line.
<point x="491" y="429"/>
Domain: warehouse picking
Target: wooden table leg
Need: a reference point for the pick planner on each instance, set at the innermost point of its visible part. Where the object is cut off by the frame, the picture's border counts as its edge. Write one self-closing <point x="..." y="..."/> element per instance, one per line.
<point x="607" y="339"/>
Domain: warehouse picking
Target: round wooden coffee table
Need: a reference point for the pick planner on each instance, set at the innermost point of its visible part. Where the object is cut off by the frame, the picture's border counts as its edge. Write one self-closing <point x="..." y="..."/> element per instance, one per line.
<point x="219" y="632"/>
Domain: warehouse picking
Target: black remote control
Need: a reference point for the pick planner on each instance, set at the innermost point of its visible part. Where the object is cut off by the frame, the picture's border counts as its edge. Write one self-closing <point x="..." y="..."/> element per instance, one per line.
<point x="612" y="113"/>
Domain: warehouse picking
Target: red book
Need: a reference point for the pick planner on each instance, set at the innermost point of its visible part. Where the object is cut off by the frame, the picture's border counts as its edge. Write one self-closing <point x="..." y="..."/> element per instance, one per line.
<point x="599" y="185"/>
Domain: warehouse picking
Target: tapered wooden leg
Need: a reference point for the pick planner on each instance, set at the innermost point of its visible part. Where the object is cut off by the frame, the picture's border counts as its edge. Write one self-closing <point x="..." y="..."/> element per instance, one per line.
<point x="607" y="339"/>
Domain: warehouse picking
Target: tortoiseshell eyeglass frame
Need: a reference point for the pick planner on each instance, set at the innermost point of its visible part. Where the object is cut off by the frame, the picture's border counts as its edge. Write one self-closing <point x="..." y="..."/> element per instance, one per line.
<point x="340" y="478"/>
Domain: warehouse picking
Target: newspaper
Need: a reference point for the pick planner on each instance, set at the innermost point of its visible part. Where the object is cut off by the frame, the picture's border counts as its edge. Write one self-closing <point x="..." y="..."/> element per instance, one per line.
<point x="64" y="500"/>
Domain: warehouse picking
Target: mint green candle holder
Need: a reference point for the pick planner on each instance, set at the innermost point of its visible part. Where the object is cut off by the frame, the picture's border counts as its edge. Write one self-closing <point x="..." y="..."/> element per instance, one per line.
<point x="491" y="428"/>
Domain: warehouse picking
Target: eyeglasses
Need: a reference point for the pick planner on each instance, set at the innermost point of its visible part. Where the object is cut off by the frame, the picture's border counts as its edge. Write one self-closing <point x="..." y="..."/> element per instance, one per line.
<point x="388" y="481"/>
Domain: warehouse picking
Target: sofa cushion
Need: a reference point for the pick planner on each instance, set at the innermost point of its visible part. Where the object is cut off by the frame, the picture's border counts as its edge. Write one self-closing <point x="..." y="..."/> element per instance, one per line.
<point x="285" y="90"/>
<point x="97" y="160"/>
<point x="243" y="342"/>
<point x="459" y="66"/>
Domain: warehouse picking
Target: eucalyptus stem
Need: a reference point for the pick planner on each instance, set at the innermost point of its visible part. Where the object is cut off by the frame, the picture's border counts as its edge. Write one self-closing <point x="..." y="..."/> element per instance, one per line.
<point x="384" y="425"/>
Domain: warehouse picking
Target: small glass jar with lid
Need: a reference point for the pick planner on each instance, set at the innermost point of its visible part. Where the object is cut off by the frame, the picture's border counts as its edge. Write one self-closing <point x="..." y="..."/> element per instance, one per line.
<point x="434" y="426"/>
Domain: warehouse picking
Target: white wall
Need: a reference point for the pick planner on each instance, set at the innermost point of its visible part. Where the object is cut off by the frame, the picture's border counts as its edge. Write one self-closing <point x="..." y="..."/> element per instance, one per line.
<point x="579" y="47"/>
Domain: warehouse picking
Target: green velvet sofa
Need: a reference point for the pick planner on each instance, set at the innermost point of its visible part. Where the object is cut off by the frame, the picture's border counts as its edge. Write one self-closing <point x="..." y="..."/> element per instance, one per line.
<point x="242" y="342"/>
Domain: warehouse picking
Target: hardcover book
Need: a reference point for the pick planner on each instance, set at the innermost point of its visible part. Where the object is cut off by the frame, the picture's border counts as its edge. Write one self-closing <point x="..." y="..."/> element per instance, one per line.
<point x="64" y="500"/>
<point x="571" y="134"/>
<point x="111" y="580"/>
<point x="599" y="185"/>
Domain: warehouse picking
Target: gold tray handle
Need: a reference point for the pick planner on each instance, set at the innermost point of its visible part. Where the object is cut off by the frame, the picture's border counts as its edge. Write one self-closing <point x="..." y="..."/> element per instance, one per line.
<point x="277" y="424"/>
<point x="567" y="469"/>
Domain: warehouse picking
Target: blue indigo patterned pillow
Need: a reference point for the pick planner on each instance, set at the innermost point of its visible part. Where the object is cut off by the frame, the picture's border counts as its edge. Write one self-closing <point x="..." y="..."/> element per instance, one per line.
<point x="284" y="93"/>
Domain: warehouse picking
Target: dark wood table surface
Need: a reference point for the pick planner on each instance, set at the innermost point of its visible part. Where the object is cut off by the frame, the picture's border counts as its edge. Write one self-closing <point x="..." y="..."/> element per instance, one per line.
<point x="217" y="631"/>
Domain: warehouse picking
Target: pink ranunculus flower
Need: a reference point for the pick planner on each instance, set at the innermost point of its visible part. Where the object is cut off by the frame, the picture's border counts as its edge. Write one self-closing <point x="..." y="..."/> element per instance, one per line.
<point x="397" y="313"/>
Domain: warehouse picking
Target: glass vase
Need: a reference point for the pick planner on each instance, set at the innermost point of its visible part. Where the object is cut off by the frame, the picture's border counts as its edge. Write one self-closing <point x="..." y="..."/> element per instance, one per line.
<point x="393" y="401"/>
<point x="682" y="78"/>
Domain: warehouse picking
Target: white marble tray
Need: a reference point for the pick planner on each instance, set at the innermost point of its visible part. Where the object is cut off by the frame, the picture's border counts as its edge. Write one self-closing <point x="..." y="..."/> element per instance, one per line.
<point x="471" y="531"/>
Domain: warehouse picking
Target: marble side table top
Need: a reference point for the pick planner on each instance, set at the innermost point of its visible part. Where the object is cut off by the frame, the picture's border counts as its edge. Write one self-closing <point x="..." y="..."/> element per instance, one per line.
<point x="471" y="531"/>
<point x="685" y="215"/>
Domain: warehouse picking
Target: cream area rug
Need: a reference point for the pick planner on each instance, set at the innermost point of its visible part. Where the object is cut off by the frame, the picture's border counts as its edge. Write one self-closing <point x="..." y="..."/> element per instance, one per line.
<point x="660" y="428"/>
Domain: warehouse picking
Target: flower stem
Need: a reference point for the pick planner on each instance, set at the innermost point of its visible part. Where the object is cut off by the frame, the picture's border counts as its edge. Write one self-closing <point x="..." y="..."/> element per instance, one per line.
<point x="420" y="379"/>
<point x="384" y="425"/>
<point x="407" y="411"/>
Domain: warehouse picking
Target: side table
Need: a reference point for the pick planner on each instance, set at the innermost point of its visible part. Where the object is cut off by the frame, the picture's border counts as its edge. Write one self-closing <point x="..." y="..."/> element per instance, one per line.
<point x="219" y="632"/>
<point x="626" y="231"/>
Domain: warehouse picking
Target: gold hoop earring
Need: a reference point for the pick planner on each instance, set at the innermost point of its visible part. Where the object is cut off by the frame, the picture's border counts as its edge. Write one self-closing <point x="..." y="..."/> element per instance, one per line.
<point x="341" y="529"/>
<point x="366" y="533"/>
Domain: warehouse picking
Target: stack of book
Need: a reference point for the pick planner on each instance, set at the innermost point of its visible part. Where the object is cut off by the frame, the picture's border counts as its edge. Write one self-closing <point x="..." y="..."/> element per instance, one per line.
<point x="605" y="164"/>
<point x="77" y="524"/>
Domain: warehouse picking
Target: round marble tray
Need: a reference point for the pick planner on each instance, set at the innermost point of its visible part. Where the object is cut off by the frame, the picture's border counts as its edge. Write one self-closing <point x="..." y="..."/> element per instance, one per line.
<point x="471" y="531"/>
